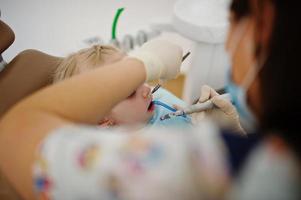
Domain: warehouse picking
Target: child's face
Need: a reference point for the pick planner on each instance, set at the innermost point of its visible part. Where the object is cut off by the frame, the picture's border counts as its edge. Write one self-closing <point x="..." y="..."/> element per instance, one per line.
<point x="137" y="108"/>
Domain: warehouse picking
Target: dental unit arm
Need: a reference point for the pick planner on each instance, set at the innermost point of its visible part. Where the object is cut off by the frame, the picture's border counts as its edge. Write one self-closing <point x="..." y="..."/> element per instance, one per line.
<point x="199" y="107"/>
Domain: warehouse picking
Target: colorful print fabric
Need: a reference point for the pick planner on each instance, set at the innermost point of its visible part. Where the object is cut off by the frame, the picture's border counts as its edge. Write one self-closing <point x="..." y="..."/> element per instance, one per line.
<point x="92" y="163"/>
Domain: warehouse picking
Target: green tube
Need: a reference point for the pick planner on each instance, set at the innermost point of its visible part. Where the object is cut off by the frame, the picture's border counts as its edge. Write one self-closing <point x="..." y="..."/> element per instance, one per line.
<point x="114" y="26"/>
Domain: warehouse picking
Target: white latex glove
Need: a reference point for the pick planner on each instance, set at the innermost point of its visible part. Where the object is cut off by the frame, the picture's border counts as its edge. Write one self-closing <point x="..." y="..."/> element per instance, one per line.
<point x="224" y="113"/>
<point x="162" y="59"/>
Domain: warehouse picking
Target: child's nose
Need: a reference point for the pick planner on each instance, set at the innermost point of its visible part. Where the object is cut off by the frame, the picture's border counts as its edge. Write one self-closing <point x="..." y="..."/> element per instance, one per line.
<point x="146" y="92"/>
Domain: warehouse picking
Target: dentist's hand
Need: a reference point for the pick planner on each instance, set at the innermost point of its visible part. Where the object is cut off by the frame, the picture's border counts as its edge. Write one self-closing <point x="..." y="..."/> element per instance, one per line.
<point x="162" y="59"/>
<point x="224" y="112"/>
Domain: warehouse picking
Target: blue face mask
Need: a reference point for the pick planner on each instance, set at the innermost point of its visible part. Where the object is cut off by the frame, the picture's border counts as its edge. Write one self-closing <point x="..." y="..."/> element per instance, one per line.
<point x="239" y="99"/>
<point x="239" y="92"/>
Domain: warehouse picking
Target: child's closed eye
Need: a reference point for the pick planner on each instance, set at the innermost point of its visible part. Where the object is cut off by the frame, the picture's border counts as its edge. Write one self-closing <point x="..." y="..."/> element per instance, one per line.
<point x="132" y="95"/>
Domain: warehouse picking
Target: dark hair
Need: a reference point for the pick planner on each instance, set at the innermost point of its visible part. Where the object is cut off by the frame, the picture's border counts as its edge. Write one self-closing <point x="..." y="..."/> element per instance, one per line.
<point x="240" y="8"/>
<point x="281" y="73"/>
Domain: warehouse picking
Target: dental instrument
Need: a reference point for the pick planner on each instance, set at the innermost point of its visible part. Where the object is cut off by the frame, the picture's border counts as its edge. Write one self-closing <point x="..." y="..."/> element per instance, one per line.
<point x="185" y="56"/>
<point x="156" y="88"/>
<point x="159" y="85"/>
<point x="195" y="108"/>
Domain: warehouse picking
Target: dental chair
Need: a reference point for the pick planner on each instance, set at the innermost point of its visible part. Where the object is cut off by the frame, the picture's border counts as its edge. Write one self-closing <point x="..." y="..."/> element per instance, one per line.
<point x="28" y="72"/>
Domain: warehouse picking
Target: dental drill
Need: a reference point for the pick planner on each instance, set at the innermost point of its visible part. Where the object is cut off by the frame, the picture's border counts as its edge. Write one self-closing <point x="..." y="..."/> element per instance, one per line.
<point x="199" y="107"/>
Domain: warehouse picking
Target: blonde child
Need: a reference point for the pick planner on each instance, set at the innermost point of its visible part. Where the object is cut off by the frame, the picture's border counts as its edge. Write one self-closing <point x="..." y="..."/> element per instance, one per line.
<point x="140" y="107"/>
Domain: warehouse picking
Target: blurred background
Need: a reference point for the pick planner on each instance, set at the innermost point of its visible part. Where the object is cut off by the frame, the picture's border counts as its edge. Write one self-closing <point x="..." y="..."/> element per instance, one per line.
<point x="60" y="27"/>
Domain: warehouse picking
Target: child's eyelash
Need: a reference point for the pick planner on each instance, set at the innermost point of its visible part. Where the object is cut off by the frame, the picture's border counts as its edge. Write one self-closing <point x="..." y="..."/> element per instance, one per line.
<point x="133" y="94"/>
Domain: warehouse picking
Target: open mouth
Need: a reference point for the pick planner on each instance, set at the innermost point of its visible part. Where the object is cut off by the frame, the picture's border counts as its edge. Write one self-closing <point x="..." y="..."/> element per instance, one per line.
<point x="151" y="107"/>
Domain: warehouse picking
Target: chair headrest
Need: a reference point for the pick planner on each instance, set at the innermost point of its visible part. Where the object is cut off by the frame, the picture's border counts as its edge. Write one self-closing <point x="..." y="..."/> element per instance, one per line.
<point x="7" y="36"/>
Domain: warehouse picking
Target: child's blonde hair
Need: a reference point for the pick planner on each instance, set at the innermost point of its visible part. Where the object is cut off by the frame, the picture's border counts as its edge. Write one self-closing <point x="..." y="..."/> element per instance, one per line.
<point x="86" y="59"/>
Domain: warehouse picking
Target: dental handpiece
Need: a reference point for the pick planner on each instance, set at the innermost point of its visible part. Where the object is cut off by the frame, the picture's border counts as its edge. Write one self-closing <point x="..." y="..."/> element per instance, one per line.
<point x="199" y="107"/>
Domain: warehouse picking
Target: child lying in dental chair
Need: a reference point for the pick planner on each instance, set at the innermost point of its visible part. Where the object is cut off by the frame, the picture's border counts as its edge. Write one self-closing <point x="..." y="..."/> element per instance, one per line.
<point x="141" y="107"/>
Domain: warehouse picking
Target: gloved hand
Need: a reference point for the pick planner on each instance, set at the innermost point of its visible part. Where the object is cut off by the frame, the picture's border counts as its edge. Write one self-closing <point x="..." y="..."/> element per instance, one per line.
<point x="162" y="59"/>
<point x="224" y="113"/>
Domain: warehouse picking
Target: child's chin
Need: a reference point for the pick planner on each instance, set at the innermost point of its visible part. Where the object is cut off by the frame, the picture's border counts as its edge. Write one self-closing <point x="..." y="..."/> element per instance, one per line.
<point x="150" y="115"/>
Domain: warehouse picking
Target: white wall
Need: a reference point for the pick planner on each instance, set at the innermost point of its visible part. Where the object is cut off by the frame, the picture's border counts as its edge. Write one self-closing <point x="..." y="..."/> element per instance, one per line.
<point x="59" y="27"/>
